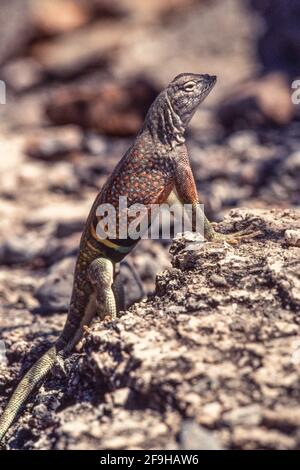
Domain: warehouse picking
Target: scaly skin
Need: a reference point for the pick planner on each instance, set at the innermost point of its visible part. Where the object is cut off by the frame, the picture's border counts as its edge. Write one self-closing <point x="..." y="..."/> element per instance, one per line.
<point x="155" y="165"/>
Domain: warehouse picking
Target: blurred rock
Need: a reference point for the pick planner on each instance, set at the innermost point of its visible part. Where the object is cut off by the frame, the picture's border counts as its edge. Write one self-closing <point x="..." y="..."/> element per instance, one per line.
<point x="292" y="164"/>
<point x="95" y="46"/>
<point x="22" y="74"/>
<point x="242" y="141"/>
<point x="105" y="8"/>
<point x="11" y="158"/>
<point x="62" y="216"/>
<point x="279" y="45"/>
<point x="19" y="250"/>
<point x="67" y="227"/>
<point x="15" y="26"/>
<point x="112" y="108"/>
<point x="54" y="17"/>
<point x="39" y="250"/>
<point x="292" y="237"/>
<point x="55" y="292"/>
<point x="194" y="437"/>
<point x="62" y="178"/>
<point x="133" y="287"/>
<point x="246" y="415"/>
<point x="153" y="11"/>
<point x="149" y="258"/>
<point x="95" y="144"/>
<point x="52" y="143"/>
<point x="283" y="417"/>
<point x="104" y="154"/>
<point x="260" y="102"/>
<point x="57" y="16"/>
<point x="262" y="439"/>
<point x="57" y="249"/>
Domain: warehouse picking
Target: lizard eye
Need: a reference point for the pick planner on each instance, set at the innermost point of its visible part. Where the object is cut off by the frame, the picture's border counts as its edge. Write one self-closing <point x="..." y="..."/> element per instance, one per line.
<point x="189" y="86"/>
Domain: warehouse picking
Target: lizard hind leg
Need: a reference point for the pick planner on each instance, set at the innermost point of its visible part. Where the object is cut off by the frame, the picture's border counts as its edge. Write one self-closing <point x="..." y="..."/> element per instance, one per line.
<point x="101" y="276"/>
<point x="119" y="293"/>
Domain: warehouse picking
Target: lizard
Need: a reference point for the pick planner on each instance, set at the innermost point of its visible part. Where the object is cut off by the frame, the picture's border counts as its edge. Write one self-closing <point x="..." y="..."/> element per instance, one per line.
<point x="156" y="165"/>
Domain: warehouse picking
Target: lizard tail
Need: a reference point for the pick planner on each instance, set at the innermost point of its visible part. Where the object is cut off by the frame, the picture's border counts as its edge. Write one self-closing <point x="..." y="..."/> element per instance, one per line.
<point x="35" y="374"/>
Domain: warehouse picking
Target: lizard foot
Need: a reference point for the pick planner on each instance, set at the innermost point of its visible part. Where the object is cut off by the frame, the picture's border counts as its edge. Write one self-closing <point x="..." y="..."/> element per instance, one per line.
<point x="110" y="318"/>
<point x="236" y="237"/>
<point x="86" y="330"/>
<point x="60" y="363"/>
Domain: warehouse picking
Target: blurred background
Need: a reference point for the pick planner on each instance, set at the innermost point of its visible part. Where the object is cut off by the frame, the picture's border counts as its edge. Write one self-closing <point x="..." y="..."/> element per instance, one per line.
<point x="80" y="76"/>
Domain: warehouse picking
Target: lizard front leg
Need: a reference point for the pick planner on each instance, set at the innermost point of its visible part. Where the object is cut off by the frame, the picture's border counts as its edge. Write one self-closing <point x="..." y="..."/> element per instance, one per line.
<point x="187" y="193"/>
<point x="101" y="275"/>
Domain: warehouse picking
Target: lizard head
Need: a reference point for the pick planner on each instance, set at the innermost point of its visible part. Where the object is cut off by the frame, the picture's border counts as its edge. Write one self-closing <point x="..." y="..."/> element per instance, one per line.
<point x="187" y="91"/>
<point x="174" y="107"/>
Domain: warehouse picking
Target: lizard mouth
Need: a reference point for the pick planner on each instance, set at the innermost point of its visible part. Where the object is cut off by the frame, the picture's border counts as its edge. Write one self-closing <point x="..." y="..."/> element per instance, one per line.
<point x="210" y="83"/>
<point x="207" y="89"/>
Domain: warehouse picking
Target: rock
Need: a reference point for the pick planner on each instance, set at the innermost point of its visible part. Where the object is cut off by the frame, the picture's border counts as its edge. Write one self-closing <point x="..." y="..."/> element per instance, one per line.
<point x="194" y="437"/>
<point x="246" y="415"/>
<point x="22" y="74"/>
<point x="279" y="37"/>
<point x="242" y="141"/>
<point x="8" y="175"/>
<point x="148" y="259"/>
<point x="253" y="104"/>
<point x="292" y="237"/>
<point x="292" y="164"/>
<point x="60" y="248"/>
<point x="120" y="396"/>
<point x="38" y="251"/>
<point x="19" y="250"/>
<point x="58" y="16"/>
<point x="95" y="46"/>
<point x="17" y="32"/>
<point x="54" y="143"/>
<point x="154" y="11"/>
<point x="111" y="108"/>
<point x="262" y="439"/>
<point x="218" y="362"/>
<point x="55" y="292"/>
<point x="61" y="177"/>
<point x="64" y="216"/>
<point x="133" y="286"/>
<point x="95" y="144"/>
<point x="282" y="418"/>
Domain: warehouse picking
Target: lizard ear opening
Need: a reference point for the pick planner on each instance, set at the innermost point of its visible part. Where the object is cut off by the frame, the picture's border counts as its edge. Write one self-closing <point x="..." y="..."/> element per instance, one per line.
<point x="189" y="86"/>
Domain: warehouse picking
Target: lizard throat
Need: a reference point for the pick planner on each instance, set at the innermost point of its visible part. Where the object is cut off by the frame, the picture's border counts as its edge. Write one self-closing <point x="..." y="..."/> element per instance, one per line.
<point x="165" y="124"/>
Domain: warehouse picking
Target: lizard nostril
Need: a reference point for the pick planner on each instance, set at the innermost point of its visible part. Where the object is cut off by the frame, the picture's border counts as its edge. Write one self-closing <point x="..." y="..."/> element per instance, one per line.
<point x="210" y="78"/>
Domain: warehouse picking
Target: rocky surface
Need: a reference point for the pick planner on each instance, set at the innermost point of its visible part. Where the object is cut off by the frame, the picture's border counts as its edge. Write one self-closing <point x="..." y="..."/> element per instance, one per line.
<point x="210" y="361"/>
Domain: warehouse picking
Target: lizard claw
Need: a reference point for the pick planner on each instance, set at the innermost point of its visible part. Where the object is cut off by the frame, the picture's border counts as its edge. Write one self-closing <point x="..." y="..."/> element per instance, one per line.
<point x="237" y="237"/>
<point x="86" y="330"/>
<point x="110" y="318"/>
<point x="60" y="363"/>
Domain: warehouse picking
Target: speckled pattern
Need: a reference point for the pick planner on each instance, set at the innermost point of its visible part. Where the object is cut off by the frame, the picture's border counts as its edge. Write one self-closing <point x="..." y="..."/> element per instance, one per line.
<point x="158" y="160"/>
